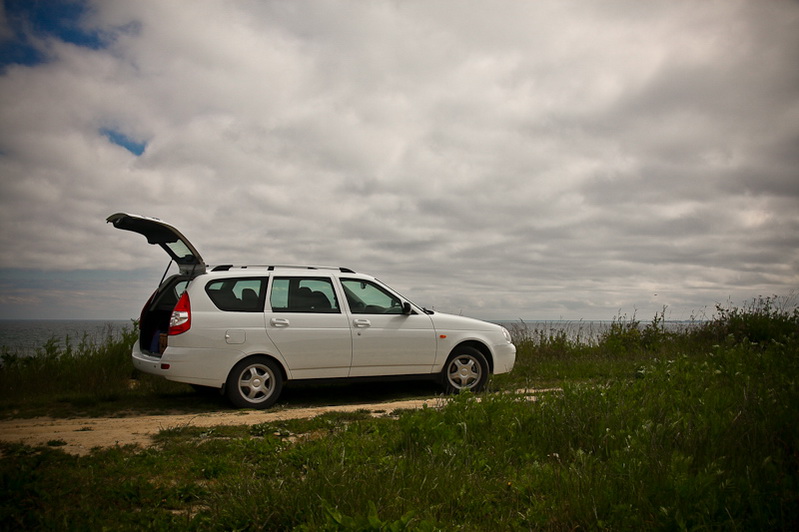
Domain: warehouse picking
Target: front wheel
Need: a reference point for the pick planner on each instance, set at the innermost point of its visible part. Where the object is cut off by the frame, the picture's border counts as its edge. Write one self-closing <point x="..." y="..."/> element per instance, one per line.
<point x="255" y="382"/>
<point x="466" y="369"/>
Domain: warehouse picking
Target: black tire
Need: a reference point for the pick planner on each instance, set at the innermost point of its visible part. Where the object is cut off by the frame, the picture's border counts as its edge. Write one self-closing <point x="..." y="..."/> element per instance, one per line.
<point x="255" y="382"/>
<point x="466" y="369"/>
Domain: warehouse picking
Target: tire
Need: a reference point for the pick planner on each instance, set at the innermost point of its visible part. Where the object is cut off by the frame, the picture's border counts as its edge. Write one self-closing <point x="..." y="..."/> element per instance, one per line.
<point x="255" y="382"/>
<point x="466" y="369"/>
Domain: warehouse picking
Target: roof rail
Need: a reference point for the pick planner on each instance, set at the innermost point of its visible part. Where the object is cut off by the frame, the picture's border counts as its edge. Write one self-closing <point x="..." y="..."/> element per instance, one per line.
<point x="311" y="267"/>
<point x="272" y="267"/>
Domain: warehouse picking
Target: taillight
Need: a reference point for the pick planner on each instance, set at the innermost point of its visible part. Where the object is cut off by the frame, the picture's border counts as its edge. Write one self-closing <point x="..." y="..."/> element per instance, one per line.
<point x="180" y="321"/>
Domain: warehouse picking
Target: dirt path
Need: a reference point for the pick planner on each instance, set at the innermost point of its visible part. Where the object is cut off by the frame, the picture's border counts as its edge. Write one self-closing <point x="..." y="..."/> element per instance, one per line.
<point x="83" y="434"/>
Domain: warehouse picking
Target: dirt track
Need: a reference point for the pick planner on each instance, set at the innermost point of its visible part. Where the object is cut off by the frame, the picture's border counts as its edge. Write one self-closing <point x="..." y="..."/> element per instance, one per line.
<point x="83" y="434"/>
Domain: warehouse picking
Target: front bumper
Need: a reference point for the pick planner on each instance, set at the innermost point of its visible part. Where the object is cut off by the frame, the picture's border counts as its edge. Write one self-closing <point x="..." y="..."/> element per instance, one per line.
<point x="504" y="357"/>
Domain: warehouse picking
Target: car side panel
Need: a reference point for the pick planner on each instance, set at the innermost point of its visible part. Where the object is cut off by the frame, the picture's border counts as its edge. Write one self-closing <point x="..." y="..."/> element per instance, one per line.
<point x="314" y="345"/>
<point x="216" y="341"/>
<point x="392" y="344"/>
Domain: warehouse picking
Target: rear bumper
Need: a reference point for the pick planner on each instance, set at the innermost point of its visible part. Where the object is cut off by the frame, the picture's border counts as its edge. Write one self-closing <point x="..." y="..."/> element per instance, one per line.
<point x="182" y="365"/>
<point x="146" y="363"/>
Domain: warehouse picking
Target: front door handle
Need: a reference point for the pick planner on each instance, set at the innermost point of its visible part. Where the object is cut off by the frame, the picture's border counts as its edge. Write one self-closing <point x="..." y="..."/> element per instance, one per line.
<point x="279" y="322"/>
<point x="362" y="322"/>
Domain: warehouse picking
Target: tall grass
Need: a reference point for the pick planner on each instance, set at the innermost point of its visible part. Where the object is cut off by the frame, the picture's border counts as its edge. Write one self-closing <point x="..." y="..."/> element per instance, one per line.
<point x="696" y="429"/>
<point x="551" y="356"/>
<point x="82" y="373"/>
<point x="94" y="367"/>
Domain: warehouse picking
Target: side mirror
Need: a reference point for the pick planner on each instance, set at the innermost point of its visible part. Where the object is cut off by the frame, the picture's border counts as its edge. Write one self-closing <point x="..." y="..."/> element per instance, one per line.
<point x="406" y="308"/>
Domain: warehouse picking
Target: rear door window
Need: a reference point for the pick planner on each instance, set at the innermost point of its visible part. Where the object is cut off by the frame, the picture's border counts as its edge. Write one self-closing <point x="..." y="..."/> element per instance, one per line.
<point x="238" y="294"/>
<point x="303" y="294"/>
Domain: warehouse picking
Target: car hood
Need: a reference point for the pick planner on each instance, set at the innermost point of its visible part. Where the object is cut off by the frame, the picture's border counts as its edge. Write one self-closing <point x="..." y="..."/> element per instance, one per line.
<point x="170" y="239"/>
<point x="442" y="320"/>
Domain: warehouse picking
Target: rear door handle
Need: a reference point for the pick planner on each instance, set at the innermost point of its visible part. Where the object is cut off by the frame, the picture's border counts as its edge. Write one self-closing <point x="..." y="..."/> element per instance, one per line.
<point x="362" y="322"/>
<point x="279" y="322"/>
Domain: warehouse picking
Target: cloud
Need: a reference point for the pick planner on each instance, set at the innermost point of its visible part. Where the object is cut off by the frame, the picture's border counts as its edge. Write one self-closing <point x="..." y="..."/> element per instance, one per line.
<point x="542" y="160"/>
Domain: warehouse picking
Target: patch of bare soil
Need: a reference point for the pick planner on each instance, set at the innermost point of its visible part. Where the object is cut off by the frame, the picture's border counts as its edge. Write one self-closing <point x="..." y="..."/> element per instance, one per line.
<point x="83" y="434"/>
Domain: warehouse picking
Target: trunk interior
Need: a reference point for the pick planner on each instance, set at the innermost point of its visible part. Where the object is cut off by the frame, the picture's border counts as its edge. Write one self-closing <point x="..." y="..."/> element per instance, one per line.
<point x="155" y="316"/>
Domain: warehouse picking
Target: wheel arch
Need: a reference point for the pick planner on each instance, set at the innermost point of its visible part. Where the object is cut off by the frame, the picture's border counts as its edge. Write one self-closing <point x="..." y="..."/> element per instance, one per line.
<point x="283" y="373"/>
<point x="480" y="346"/>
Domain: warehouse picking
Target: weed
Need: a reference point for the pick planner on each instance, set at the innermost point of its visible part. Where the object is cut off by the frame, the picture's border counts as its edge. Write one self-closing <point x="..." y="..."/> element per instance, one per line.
<point x="653" y="430"/>
<point x="763" y="319"/>
<point x="336" y="521"/>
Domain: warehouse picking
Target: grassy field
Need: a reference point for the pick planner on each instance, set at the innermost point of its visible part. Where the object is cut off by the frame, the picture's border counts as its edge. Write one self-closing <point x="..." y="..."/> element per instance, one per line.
<point x="696" y="429"/>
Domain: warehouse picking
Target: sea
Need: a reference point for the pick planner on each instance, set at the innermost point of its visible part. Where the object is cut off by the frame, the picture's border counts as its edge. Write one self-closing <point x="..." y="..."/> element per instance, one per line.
<point x="25" y="337"/>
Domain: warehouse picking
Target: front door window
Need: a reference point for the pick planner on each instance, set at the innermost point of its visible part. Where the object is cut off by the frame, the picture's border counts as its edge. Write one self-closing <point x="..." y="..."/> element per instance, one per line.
<point x="365" y="297"/>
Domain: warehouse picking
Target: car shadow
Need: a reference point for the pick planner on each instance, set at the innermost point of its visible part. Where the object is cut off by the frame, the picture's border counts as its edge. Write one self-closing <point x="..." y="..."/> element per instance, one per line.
<point x="297" y="395"/>
<point x="352" y="393"/>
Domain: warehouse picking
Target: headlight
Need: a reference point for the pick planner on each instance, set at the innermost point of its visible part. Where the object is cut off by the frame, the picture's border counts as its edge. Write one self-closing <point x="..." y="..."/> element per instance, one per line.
<point x="506" y="334"/>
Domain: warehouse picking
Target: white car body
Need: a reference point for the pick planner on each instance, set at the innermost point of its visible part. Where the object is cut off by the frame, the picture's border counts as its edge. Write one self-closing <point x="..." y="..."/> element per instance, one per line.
<point x="248" y="329"/>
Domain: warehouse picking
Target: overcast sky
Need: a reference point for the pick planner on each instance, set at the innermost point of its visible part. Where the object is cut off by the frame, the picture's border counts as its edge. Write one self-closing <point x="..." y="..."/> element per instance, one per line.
<point x="501" y="159"/>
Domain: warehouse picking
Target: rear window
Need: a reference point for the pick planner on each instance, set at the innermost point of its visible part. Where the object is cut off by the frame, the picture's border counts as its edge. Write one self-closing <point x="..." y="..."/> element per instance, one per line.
<point x="238" y="294"/>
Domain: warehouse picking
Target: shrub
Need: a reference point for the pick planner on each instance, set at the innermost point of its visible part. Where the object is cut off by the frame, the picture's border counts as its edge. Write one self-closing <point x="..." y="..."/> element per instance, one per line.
<point x="89" y="369"/>
<point x="762" y="320"/>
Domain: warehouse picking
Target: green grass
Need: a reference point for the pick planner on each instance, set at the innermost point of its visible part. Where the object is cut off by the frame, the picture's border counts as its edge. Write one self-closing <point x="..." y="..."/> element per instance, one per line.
<point x="696" y="429"/>
<point x="87" y="378"/>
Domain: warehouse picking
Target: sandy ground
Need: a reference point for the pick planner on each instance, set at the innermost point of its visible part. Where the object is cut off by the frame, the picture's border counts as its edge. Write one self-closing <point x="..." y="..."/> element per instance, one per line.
<point x="83" y="434"/>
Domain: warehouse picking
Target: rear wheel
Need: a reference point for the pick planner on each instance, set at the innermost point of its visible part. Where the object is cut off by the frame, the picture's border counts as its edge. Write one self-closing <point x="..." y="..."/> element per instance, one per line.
<point x="255" y="382"/>
<point x="466" y="369"/>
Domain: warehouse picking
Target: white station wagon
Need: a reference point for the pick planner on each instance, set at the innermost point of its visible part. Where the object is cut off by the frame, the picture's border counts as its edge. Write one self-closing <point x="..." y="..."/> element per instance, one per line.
<point x="246" y="330"/>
